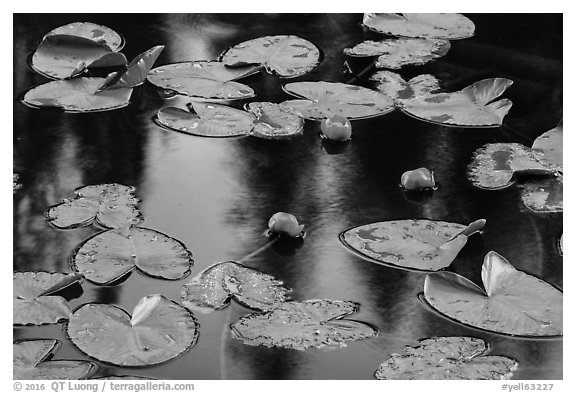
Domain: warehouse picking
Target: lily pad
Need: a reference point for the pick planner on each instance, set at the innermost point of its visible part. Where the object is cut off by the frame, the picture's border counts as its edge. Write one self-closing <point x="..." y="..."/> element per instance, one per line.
<point x="108" y="205"/>
<point x="210" y="80"/>
<point x="548" y="147"/>
<point x="158" y="330"/>
<point x="325" y="99"/>
<point x="420" y="245"/>
<point x="398" y="52"/>
<point x="110" y="255"/>
<point x="473" y="106"/>
<point x="302" y="325"/>
<point x="29" y="362"/>
<point x="287" y="56"/>
<point x="544" y="195"/>
<point x="34" y="302"/>
<point x="210" y="120"/>
<point x="136" y="72"/>
<point x="92" y="31"/>
<point x="213" y="288"/>
<point x="447" y="358"/>
<point x="395" y="87"/>
<point x="436" y="25"/>
<point x="512" y="302"/>
<point x="275" y="121"/>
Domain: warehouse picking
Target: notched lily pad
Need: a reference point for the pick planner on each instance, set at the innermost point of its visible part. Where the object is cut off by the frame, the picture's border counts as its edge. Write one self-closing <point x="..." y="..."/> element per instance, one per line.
<point x="136" y="72"/>
<point x="512" y="302"/>
<point x="29" y="362"/>
<point x="213" y="288"/>
<point x="274" y="121"/>
<point x="447" y="358"/>
<point x="34" y="302"/>
<point x="302" y="325"/>
<point x="325" y="99"/>
<point x="108" y="205"/>
<point x="398" y="52"/>
<point x="158" y="330"/>
<point x="420" y="245"/>
<point x="92" y="31"/>
<point x="110" y="255"/>
<point x="394" y="86"/>
<point x="287" y="56"/>
<point x="437" y="25"/>
<point x="548" y="147"/>
<point x="544" y="196"/>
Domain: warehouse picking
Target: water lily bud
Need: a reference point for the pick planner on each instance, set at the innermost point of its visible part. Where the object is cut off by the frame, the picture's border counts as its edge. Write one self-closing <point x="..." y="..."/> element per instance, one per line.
<point x="336" y="128"/>
<point x="418" y="179"/>
<point x="284" y="224"/>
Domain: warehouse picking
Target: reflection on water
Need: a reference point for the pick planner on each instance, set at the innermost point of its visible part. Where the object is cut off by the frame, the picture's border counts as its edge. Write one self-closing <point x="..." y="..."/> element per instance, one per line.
<point x="216" y="195"/>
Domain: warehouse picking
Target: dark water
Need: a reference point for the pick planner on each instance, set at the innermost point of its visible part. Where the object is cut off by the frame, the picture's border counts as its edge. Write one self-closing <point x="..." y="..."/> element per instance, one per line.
<point x="216" y="195"/>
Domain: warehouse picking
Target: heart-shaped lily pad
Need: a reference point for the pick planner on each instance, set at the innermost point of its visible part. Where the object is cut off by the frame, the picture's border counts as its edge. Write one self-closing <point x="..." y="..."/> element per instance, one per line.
<point x="274" y="121"/>
<point x="92" y="31"/>
<point x="110" y="255"/>
<point x="512" y="302"/>
<point x="473" y="106"/>
<point x="544" y="195"/>
<point x="302" y="325"/>
<point x="446" y="26"/>
<point x="108" y="205"/>
<point x="213" y="288"/>
<point x="325" y="99"/>
<point x="420" y="245"/>
<point x="548" y="147"/>
<point x="33" y="299"/>
<point x="210" y="80"/>
<point x="447" y="358"/>
<point x="398" y="52"/>
<point x="395" y="87"/>
<point x="158" y="330"/>
<point x="287" y="56"/>
<point x="29" y="362"/>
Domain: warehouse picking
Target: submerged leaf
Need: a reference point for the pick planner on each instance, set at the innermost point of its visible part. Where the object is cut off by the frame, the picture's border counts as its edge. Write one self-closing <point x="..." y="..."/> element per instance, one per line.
<point x="446" y="26"/>
<point x="287" y="56"/>
<point x="324" y="99"/>
<point x="112" y="254"/>
<point x="29" y="362"/>
<point x="274" y="121"/>
<point x="545" y="195"/>
<point x="301" y="325"/>
<point x="158" y="330"/>
<point x="447" y="358"/>
<point x="548" y="147"/>
<point x="213" y="288"/>
<point x="92" y="31"/>
<point x="513" y="302"/>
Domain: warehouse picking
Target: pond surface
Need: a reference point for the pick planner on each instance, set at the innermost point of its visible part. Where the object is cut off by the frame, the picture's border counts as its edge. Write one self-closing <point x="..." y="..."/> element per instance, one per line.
<point x="216" y="195"/>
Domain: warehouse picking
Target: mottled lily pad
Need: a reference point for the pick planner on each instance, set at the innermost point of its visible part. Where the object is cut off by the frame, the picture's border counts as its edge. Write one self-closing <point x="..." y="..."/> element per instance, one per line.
<point x="210" y="80"/>
<point x="302" y="325"/>
<point x="110" y="255"/>
<point x="274" y="121"/>
<point x="158" y="330"/>
<point x="473" y="106"/>
<point x="29" y="362"/>
<point x="287" y="56"/>
<point x="213" y="288"/>
<point x="325" y="99"/>
<point x="398" y="52"/>
<point x="512" y="302"/>
<point x="92" y="31"/>
<point x="395" y="87"/>
<point x="548" y="147"/>
<point x="447" y="358"/>
<point x="210" y="120"/>
<point x="108" y="205"/>
<point x="544" y="195"/>
<point x="445" y="26"/>
<point x="420" y="245"/>
<point x="34" y="302"/>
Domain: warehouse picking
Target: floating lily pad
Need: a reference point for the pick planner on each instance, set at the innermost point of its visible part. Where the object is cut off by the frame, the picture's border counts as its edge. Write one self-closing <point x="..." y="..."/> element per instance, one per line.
<point x="287" y="56"/>
<point x="158" y="330"/>
<point x="421" y="245"/>
<point x="324" y="99"/>
<point x="77" y="95"/>
<point x="110" y="255"/>
<point x="447" y="358"/>
<point x="473" y="106"/>
<point x="136" y="72"/>
<point x="92" y="31"/>
<point x="33" y="299"/>
<point x="29" y="362"/>
<point x="108" y="205"/>
<point x="210" y="120"/>
<point x="395" y="87"/>
<point x="548" y="147"/>
<point x="302" y="325"/>
<point x="512" y="302"/>
<point x="274" y="121"/>
<point x="210" y="80"/>
<point x="544" y="195"/>
<point x="398" y="52"/>
<point x="213" y="288"/>
<point x="446" y="26"/>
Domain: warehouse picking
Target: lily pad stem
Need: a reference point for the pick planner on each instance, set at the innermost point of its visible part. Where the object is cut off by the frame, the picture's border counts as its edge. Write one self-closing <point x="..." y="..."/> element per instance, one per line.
<point x="360" y="75"/>
<point x="259" y="250"/>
